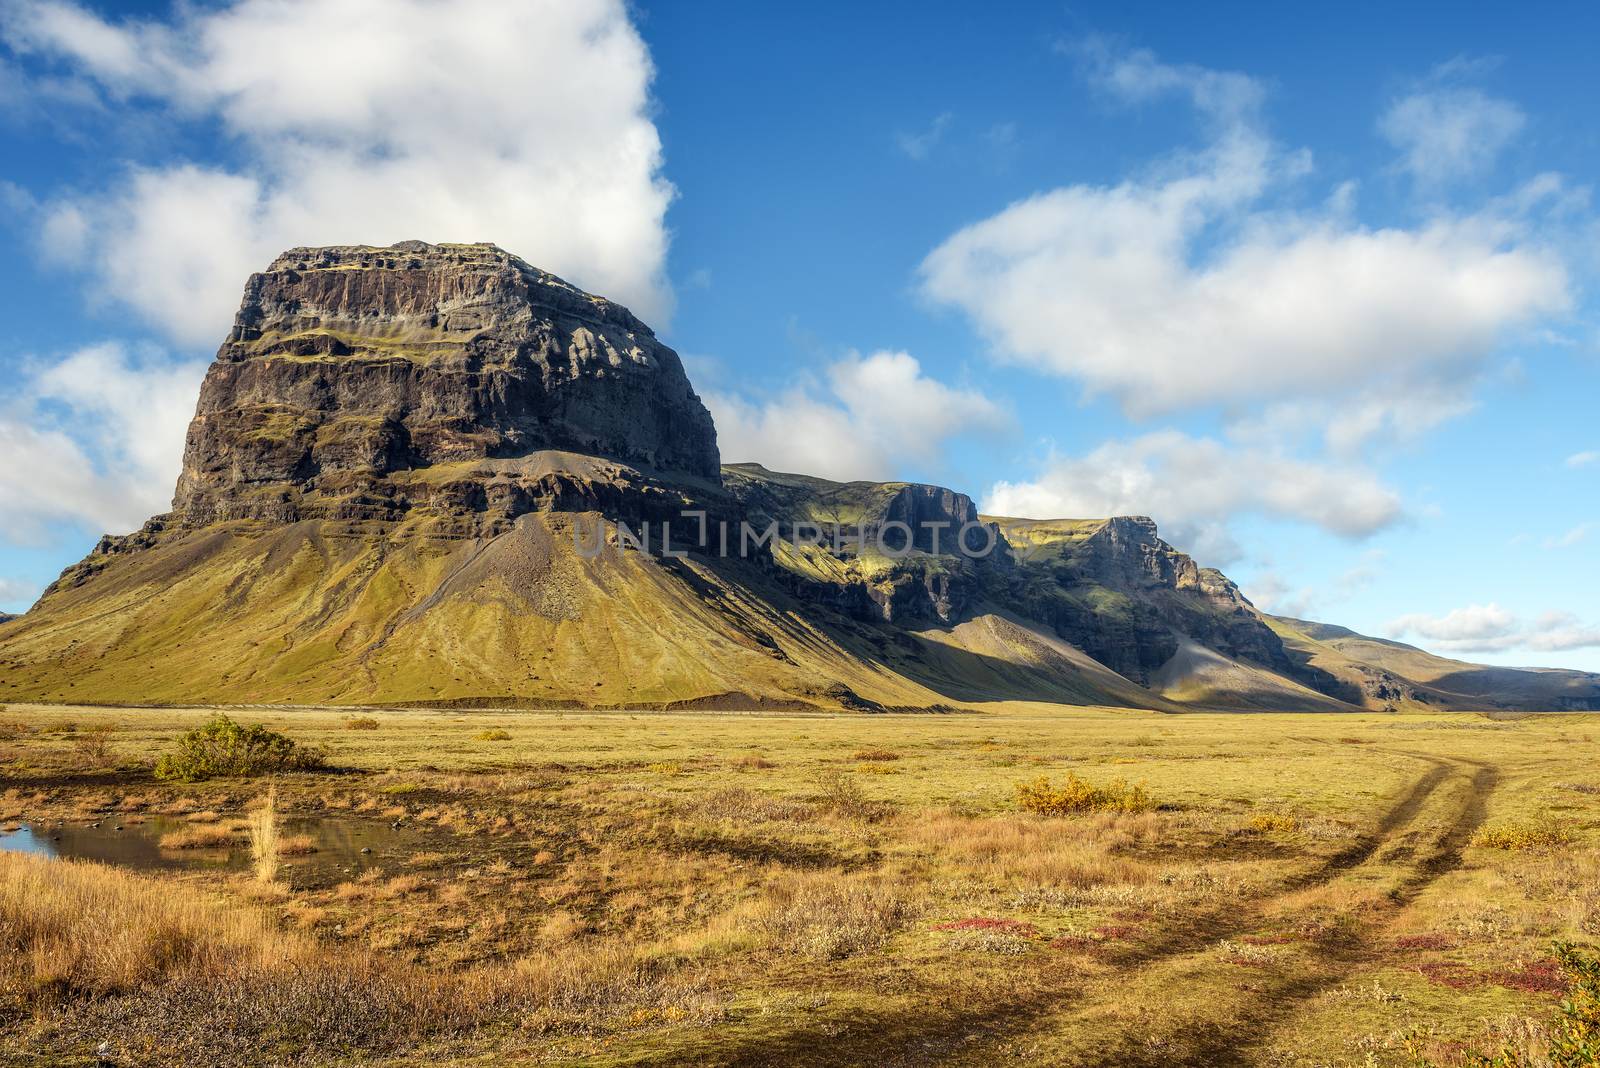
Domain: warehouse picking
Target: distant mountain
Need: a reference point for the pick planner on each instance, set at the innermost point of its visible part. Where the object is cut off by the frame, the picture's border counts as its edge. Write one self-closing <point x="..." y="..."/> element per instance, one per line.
<point x="1378" y="673"/>
<point x="436" y="474"/>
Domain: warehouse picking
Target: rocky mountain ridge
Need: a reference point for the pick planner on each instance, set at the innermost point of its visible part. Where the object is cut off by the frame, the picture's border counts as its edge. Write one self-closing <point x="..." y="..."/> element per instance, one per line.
<point x="385" y="495"/>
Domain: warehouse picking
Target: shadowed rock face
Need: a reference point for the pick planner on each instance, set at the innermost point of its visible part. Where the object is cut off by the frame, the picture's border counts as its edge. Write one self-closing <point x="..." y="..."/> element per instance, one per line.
<point x="350" y="364"/>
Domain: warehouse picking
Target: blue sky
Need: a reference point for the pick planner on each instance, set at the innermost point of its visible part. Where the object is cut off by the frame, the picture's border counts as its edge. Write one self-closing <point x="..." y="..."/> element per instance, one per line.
<point x="1313" y="288"/>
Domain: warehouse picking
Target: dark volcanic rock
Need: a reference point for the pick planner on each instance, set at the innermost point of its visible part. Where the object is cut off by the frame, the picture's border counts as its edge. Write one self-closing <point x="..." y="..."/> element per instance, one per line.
<point x="923" y="576"/>
<point x="347" y="365"/>
<point x="1126" y="597"/>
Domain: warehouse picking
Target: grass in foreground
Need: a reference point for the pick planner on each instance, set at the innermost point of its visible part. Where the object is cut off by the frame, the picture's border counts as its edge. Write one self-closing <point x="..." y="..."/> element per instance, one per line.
<point x="609" y="889"/>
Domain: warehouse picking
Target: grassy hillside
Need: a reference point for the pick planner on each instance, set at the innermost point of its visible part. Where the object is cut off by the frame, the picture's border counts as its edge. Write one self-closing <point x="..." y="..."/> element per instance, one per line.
<point x="367" y="614"/>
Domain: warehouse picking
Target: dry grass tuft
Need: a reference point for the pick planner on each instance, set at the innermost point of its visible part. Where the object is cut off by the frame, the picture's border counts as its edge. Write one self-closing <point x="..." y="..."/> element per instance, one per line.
<point x="875" y="756"/>
<point x="361" y="723"/>
<point x="297" y="845"/>
<point x="1042" y="856"/>
<point x="749" y="806"/>
<point x="263" y="829"/>
<point x="200" y="837"/>
<point x="94" y="951"/>
<point x="844" y="796"/>
<point x="495" y="735"/>
<point x="827" y="918"/>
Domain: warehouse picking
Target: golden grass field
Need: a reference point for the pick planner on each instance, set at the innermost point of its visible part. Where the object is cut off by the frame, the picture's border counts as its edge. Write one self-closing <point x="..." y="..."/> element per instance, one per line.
<point x="614" y="889"/>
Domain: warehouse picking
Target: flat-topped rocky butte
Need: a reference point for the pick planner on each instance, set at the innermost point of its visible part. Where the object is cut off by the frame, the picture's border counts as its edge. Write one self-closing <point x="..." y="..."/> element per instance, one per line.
<point x="352" y="364"/>
<point x="387" y="478"/>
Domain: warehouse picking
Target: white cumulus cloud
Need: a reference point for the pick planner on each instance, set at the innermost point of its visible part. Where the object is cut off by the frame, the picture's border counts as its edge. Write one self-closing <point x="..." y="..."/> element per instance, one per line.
<point x="1186" y="287"/>
<point x="96" y="440"/>
<point x="363" y="121"/>
<point x="872" y="414"/>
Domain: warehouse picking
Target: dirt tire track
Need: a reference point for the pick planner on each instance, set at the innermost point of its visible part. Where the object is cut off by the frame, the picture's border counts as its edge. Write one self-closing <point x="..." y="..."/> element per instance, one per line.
<point x="1240" y="1043"/>
<point x="964" y="1033"/>
<point x="1276" y="1009"/>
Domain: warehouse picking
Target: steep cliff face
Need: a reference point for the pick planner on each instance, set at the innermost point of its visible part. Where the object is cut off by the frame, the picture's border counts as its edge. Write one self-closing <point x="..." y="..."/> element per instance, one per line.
<point x="349" y="368"/>
<point x="888" y="550"/>
<point x="1113" y="588"/>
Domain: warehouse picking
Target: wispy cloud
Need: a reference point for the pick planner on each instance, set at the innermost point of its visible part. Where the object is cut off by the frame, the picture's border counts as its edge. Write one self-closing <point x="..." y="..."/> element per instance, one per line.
<point x="1571" y="537"/>
<point x="1489" y="628"/>
<point x="1583" y="459"/>
<point x="16" y="591"/>
<point x="1448" y="132"/>
<point x="918" y="145"/>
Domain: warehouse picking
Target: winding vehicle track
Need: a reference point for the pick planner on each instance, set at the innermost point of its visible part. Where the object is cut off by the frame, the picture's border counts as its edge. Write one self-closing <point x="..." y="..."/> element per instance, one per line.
<point x="1244" y="1035"/>
<point x="1053" y="1021"/>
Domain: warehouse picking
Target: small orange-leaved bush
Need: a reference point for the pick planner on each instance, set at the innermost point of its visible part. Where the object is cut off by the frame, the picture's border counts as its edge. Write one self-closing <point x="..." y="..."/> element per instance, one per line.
<point x="1075" y="795"/>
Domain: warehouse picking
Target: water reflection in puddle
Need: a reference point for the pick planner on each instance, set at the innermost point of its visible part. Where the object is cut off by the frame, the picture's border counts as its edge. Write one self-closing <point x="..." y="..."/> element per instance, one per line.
<point x="342" y="845"/>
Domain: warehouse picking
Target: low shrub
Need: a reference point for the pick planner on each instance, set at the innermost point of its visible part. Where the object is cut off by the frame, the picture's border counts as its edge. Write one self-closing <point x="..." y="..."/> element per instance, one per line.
<point x="665" y="767"/>
<point x="225" y="749"/>
<point x="1545" y="833"/>
<point x="361" y="723"/>
<point x="875" y="756"/>
<point x="494" y="736"/>
<point x="1575" y="1038"/>
<point x="1269" y="822"/>
<point x="93" y="746"/>
<point x="1074" y="795"/>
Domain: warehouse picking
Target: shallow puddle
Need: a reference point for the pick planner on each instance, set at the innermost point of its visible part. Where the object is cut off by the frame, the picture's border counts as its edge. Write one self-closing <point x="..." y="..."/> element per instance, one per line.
<point x="342" y="845"/>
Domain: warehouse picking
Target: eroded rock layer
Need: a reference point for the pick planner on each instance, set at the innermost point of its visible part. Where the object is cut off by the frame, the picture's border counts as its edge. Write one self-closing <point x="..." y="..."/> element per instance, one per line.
<point x="349" y="368"/>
